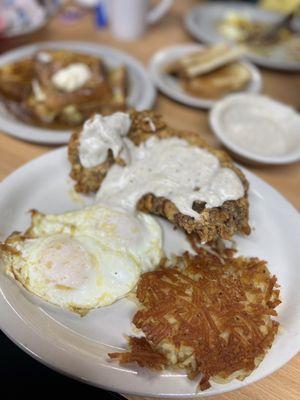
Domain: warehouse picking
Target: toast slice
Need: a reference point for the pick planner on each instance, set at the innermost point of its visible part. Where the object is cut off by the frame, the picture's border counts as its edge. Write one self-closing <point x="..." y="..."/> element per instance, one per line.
<point x="211" y="73"/>
<point x="224" y="80"/>
<point x="202" y="62"/>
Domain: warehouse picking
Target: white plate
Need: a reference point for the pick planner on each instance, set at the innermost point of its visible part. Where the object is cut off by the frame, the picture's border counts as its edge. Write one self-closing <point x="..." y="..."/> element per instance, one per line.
<point x="218" y="114"/>
<point x="202" y="23"/>
<point x="172" y="88"/>
<point x="37" y="20"/>
<point x="78" y="346"/>
<point x="141" y="91"/>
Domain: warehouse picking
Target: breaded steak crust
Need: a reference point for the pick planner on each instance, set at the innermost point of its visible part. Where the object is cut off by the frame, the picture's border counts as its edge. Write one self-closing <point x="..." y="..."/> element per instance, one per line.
<point x="88" y="180"/>
<point x="223" y="221"/>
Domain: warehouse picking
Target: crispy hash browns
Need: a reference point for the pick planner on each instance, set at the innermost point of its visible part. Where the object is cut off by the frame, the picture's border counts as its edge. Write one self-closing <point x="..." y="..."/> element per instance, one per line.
<point x="207" y="315"/>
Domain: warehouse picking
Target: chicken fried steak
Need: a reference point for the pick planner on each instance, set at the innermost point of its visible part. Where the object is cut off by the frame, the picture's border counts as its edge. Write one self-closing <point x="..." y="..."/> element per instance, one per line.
<point x="213" y="222"/>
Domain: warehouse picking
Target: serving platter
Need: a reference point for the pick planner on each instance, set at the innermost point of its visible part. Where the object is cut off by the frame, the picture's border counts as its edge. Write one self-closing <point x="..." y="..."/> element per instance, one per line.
<point x="141" y="92"/>
<point x="78" y="346"/>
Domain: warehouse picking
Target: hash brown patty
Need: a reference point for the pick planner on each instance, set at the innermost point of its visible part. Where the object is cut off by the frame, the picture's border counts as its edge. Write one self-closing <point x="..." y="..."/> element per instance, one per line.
<point x="208" y="315"/>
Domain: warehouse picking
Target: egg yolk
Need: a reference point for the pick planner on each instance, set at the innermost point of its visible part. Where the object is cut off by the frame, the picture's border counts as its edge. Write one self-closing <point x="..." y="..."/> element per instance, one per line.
<point x="65" y="263"/>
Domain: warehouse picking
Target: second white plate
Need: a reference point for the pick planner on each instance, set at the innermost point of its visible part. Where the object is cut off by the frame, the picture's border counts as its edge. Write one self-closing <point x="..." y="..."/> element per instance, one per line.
<point x="172" y="88"/>
<point x="141" y="94"/>
<point x="202" y="22"/>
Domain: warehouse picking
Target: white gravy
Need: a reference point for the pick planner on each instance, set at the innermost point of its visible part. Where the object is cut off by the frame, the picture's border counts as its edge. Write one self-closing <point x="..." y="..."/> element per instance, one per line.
<point x="101" y="134"/>
<point x="171" y="168"/>
<point x="260" y="125"/>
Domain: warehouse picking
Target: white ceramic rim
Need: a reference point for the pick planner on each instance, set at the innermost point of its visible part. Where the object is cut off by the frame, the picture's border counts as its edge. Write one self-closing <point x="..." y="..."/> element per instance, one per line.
<point x="49" y="350"/>
<point x="215" y="124"/>
<point x="158" y="59"/>
<point x="36" y="25"/>
<point x="41" y="135"/>
<point x="263" y="61"/>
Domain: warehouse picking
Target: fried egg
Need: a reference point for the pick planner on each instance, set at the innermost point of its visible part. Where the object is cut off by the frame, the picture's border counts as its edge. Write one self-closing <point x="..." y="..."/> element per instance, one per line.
<point x="83" y="259"/>
<point x="116" y="229"/>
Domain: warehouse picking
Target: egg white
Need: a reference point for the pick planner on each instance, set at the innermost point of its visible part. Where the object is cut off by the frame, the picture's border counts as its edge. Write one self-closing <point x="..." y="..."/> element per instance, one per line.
<point x="77" y="274"/>
<point x="84" y="259"/>
<point x="139" y="233"/>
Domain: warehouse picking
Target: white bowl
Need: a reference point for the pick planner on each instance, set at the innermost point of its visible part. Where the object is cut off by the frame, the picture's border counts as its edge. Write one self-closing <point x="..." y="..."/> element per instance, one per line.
<point x="242" y="103"/>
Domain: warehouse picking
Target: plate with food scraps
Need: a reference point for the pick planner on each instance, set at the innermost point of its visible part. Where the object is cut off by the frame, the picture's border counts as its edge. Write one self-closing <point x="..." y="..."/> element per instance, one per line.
<point x="238" y="22"/>
<point x="216" y="84"/>
<point x="141" y="92"/>
<point x="78" y="345"/>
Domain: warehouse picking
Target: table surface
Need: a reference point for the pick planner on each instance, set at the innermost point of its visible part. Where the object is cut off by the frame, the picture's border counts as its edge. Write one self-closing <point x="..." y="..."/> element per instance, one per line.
<point x="285" y="383"/>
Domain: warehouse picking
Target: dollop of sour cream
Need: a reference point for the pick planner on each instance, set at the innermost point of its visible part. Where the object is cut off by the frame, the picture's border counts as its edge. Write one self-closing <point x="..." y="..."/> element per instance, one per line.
<point x="72" y="77"/>
<point x="44" y="57"/>
<point x="171" y="168"/>
<point x="101" y="134"/>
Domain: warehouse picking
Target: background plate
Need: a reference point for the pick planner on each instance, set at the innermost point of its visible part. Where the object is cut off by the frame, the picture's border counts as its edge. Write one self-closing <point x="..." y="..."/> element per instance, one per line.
<point x="141" y="91"/>
<point x="172" y="88"/>
<point x="78" y="346"/>
<point x="201" y="22"/>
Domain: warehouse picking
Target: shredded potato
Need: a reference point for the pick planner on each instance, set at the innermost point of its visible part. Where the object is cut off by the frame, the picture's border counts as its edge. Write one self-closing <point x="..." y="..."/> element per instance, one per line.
<point x="207" y="314"/>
